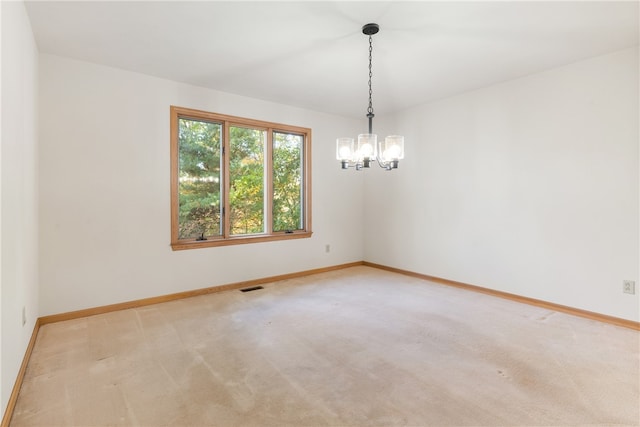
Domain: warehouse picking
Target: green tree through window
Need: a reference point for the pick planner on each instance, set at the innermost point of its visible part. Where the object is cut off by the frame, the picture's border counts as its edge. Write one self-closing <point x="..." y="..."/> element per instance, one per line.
<point x="237" y="180"/>
<point x="287" y="181"/>
<point x="199" y="178"/>
<point x="246" y="166"/>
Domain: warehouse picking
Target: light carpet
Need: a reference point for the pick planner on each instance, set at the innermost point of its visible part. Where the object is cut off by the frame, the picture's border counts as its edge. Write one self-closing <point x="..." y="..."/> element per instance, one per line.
<point x="354" y="347"/>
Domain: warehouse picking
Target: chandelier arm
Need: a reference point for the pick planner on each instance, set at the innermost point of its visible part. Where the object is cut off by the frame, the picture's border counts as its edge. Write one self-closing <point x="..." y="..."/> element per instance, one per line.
<point x="383" y="163"/>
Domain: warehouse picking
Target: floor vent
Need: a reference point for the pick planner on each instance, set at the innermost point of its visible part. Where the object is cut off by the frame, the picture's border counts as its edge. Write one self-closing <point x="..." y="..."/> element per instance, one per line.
<point x="254" y="288"/>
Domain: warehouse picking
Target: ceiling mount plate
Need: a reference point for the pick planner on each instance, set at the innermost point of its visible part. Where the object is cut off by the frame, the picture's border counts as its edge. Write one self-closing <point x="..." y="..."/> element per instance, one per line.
<point x="370" y="29"/>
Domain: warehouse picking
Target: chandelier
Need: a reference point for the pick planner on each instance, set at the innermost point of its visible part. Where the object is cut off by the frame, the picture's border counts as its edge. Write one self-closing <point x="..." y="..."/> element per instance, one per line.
<point x="388" y="152"/>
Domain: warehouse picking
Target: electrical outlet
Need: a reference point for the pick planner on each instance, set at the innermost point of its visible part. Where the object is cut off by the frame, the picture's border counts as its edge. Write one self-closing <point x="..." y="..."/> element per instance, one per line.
<point x="629" y="287"/>
<point x="327" y="248"/>
<point x="24" y="316"/>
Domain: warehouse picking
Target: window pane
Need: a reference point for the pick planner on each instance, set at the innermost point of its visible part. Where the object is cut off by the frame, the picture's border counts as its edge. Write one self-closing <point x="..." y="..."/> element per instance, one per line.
<point x="246" y="180"/>
<point x="199" y="178"/>
<point x="287" y="181"/>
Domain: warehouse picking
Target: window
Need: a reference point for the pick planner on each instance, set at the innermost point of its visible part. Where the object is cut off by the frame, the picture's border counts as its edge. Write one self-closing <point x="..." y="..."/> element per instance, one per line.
<point x="236" y="180"/>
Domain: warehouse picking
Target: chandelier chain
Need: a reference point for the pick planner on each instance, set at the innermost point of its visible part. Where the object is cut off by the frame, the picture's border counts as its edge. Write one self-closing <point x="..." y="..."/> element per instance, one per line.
<point x="370" y="109"/>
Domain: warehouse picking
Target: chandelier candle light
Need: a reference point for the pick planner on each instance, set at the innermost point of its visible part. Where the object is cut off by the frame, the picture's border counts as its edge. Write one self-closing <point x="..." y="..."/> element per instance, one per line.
<point x="388" y="152"/>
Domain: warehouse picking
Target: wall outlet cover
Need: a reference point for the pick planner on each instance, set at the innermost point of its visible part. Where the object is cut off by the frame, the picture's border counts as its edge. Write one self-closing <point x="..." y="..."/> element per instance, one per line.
<point x="629" y="287"/>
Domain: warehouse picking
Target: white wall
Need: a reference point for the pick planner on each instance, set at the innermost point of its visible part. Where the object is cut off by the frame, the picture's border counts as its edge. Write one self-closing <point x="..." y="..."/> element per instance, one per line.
<point x="19" y="191"/>
<point x="104" y="191"/>
<point x="529" y="187"/>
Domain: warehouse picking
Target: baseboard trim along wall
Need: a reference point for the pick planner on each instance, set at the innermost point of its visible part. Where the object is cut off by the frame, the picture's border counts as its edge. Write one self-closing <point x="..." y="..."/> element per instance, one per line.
<point x="8" y="413"/>
<point x="513" y="297"/>
<point x="474" y="288"/>
<point x="188" y="294"/>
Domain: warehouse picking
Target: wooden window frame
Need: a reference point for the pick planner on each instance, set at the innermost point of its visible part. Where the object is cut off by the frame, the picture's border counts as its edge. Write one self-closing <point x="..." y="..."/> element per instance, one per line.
<point x="226" y="238"/>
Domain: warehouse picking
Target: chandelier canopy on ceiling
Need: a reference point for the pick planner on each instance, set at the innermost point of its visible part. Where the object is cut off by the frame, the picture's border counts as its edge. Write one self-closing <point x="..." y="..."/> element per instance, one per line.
<point x="387" y="152"/>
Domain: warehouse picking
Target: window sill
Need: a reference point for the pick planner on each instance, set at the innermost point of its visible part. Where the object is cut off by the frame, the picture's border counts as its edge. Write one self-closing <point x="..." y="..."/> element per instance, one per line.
<point x="242" y="240"/>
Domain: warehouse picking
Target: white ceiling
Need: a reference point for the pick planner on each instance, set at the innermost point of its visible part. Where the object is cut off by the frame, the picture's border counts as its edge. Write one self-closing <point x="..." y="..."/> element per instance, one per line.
<point x="314" y="55"/>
